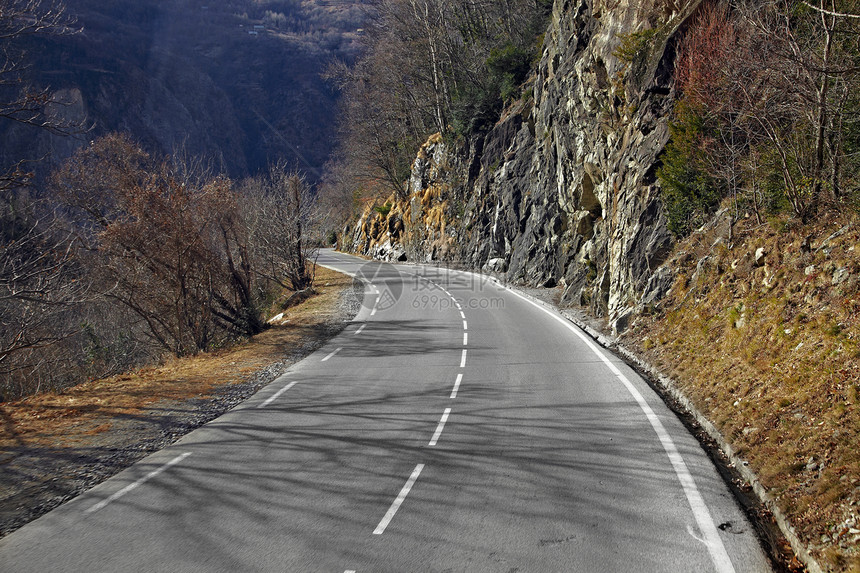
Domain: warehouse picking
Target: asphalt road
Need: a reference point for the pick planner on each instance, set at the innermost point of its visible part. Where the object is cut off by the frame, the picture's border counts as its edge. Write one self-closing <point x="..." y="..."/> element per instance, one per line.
<point x="453" y="426"/>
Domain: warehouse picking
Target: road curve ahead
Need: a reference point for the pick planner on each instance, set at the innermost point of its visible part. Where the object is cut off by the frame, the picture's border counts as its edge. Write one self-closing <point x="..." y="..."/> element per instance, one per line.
<point x="453" y="426"/>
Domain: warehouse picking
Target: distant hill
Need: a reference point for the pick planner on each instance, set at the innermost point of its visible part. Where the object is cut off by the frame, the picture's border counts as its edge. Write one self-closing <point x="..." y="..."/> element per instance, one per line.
<point x="235" y="81"/>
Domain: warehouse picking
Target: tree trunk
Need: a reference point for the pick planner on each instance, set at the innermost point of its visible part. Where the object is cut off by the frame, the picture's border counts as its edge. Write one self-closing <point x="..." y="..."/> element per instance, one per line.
<point x="818" y="191"/>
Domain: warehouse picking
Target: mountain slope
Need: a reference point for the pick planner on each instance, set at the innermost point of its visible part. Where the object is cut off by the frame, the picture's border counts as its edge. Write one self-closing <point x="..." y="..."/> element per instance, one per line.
<point x="235" y="82"/>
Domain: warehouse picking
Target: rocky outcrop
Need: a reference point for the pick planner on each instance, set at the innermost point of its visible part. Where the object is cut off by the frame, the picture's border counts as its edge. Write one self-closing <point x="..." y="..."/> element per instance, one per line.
<point x="563" y="190"/>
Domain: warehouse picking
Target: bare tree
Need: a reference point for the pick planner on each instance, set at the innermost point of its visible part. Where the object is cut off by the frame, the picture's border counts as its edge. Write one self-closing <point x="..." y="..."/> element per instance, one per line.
<point x="40" y="285"/>
<point x="20" y="102"/>
<point x="39" y="279"/>
<point x="173" y="251"/>
<point x="712" y="70"/>
<point x="237" y="298"/>
<point x="770" y="90"/>
<point x="382" y="121"/>
<point x="429" y="65"/>
<point x="279" y="208"/>
<point x="800" y="57"/>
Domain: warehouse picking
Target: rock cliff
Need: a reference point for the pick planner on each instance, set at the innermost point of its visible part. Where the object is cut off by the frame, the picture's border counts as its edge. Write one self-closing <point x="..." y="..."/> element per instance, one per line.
<point x="562" y="191"/>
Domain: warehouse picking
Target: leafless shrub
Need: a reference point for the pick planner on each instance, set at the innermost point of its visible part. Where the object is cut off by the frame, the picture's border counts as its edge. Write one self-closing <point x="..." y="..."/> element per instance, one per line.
<point x="279" y="209"/>
<point x="169" y="246"/>
<point x="41" y="284"/>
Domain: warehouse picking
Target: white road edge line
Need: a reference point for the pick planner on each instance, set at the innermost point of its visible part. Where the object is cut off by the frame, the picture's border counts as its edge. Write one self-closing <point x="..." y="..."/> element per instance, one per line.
<point x="440" y="427"/>
<point x="141" y="481"/>
<point x="463" y="359"/>
<point x="456" y="386"/>
<point x="716" y="549"/>
<point x="360" y="329"/>
<point x="330" y="356"/>
<point x="389" y="515"/>
<point x="278" y="394"/>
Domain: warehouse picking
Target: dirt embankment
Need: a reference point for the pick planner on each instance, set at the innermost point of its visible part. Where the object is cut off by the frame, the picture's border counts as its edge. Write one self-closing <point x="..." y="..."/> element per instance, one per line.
<point x="55" y="446"/>
<point x="761" y="330"/>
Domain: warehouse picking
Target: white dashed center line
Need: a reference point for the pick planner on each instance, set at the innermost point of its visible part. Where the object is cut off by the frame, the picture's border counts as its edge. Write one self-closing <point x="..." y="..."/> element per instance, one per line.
<point x="360" y="329"/>
<point x="401" y="497"/>
<point x="463" y="359"/>
<point x="439" y="428"/>
<point x="456" y="386"/>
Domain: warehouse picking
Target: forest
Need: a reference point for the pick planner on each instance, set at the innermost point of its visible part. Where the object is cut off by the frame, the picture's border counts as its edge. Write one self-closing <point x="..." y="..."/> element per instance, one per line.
<point x="428" y="66"/>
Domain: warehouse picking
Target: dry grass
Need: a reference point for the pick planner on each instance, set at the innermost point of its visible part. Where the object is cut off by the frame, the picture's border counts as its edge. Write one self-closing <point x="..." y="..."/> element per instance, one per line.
<point x="65" y="419"/>
<point x="770" y="352"/>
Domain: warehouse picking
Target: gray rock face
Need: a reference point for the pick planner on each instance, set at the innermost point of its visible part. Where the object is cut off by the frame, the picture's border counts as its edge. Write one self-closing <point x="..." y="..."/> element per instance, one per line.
<point x="563" y="190"/>
<point x="497" y="265"/>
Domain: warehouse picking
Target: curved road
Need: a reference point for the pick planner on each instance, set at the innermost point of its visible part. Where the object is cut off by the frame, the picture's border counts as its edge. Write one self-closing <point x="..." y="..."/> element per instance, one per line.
<point x="453" y="426"/>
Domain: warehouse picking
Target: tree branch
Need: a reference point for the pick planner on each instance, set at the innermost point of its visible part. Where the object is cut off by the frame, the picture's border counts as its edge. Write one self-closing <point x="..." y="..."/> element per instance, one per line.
<point x="829" y="12"/>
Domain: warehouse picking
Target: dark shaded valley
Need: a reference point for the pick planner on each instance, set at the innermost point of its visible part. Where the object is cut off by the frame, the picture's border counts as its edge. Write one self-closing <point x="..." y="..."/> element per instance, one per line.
<point x="237" y="82"/>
